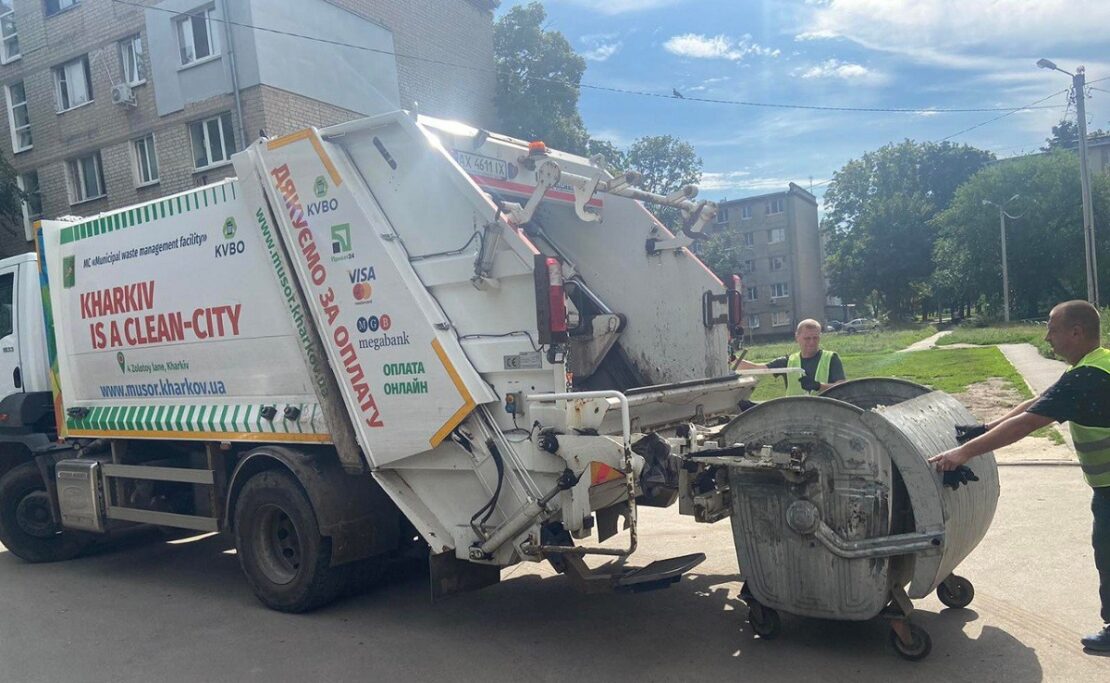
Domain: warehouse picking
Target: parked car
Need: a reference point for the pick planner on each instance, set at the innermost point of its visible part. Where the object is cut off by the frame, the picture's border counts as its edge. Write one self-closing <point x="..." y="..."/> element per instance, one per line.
<point x="834" y="326"/>
<point x="861" y="325"/>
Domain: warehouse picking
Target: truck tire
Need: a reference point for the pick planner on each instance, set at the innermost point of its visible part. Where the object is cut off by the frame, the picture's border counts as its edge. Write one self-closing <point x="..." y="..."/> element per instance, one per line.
<point x="281" y="551"/>
<point x="27" y="525"/>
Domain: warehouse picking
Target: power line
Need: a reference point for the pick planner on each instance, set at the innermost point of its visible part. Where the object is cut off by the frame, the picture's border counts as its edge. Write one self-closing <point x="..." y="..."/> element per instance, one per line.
<point x="1009" y="113"/>
<point x="591" y="86"/>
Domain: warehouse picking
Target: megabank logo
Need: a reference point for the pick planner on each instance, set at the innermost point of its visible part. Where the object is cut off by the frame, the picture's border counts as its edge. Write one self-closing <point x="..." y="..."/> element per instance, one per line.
<point x="373" y="323"/>
<point x="361" y="289"/>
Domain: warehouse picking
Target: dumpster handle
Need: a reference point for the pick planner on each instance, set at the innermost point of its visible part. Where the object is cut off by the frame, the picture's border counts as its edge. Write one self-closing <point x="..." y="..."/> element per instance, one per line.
<point x="629" y="472"/>
<point x="883" y="546"/>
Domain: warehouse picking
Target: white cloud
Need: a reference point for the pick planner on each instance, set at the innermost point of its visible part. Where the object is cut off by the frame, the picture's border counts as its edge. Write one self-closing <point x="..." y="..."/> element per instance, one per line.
<point x="603" y="51"/>
<point x="740" y="180"/>
<point x="698" y="46"/>
<point x="612" y="7"/>
<point x="845" y="71"/>
<point x="949" y="32"/>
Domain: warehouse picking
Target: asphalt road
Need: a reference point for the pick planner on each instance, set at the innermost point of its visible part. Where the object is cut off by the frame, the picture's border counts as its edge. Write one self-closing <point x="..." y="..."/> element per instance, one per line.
<point x="151" y="610"/>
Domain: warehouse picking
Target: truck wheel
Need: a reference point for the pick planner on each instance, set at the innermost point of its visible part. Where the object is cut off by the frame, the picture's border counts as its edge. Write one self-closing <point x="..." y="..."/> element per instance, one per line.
<point x="27" y="525"/>
<point x="280" y="548"/>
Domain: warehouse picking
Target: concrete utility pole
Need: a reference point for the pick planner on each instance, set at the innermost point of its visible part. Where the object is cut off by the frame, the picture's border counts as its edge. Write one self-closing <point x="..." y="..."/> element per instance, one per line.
<point x="1079" y="81"/>
<point x="1002" y="216"/>
<point x="1078" y="84"/>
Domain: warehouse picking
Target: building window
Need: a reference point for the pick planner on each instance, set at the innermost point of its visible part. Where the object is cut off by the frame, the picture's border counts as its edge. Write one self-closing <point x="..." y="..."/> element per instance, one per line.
<point x="746" y="213"/>
<point x="752" y="293"/>
<point x="9" y="49"/>
<point x="73" y="83"/>
<point x="32" y="201"/>
<point x="777" y="235"/>
<point x="722" y="215"/>
<point x="131" y="60"/>
<point x="780" y="318"/>
<point x="753" y="322"/>
<point x="196" y="37"/>
<point x="774" y="206"/>
<point x="777" y="263"/>
<point x="780" y="290"/>
<point x="18" y="120"/>
<point x="213" y="141"/>
<point x="748" y="238"/>
<point x="146" y="160"/>
<point x="55" y="6"/>
<point x="86" y="178"/>
<point x="748" y="266"/>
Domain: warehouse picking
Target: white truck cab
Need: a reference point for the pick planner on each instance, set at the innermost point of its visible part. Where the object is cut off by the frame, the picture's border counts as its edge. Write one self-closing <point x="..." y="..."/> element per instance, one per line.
<point x="26" y="405"/>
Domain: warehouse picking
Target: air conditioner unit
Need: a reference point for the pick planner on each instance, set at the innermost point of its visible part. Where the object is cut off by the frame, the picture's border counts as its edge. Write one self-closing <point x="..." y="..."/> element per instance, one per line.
<point x="122" y="94"/>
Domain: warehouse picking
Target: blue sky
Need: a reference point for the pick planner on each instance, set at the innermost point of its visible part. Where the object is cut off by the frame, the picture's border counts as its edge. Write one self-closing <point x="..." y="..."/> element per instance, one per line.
<point x="928" y="54"/>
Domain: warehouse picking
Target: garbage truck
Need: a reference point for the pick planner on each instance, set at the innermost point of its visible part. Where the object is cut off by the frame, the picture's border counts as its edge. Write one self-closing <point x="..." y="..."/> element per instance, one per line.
<point x="367" y="342"/>
<point x="403" y="335"/>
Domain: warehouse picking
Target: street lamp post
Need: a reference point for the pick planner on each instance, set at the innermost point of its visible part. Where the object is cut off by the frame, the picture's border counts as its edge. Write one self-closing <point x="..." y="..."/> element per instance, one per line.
<point x="1002" y="216"/>
<point x="1078" y="82"/>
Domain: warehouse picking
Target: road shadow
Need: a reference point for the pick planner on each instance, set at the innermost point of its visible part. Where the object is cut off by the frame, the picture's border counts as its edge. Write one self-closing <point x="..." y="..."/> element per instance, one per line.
<point x="528" y="626"/>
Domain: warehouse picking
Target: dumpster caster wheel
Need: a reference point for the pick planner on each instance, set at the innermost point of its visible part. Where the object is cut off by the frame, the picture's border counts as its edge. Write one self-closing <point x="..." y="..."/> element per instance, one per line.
<point x="956" y="592"/>
<point x="764" y="620"/>
<point x="918" y="647"/>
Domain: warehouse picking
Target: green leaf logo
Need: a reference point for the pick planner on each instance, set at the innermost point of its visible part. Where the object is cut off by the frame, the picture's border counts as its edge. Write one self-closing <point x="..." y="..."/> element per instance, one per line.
<point x="341" y="238"/>
<point x="230" y="228"/>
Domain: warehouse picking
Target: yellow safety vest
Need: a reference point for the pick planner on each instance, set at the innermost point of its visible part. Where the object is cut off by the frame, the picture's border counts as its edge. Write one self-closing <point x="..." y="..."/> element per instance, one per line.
<point x="793" y="380"/>
<point x="1092" y="444"/>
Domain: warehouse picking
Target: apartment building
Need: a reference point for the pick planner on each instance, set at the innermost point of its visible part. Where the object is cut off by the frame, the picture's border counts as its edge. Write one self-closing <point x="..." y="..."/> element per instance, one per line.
<point x="779" y="250"/>
<point x="113" y="102"/>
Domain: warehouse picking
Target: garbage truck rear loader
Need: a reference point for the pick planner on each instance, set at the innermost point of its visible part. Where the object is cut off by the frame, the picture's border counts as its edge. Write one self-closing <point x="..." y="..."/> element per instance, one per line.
<point x="369" y="337"/>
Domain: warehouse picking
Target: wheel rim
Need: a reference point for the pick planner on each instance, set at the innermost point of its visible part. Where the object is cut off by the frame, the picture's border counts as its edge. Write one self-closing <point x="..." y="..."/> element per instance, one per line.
<point x="277" y="545"/>
<point x="34" y="517"/>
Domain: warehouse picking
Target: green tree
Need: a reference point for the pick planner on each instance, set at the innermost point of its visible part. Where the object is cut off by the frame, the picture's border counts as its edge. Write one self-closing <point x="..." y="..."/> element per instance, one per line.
<point x="879" y="238"/>
<point x="666" y="164"/>
<point x="616" y="160"/>
<point x="1065" y="135"/>
<point x="537" y="80"/>
<point x="11" y="200"/>
<point x="1044" y="246"/>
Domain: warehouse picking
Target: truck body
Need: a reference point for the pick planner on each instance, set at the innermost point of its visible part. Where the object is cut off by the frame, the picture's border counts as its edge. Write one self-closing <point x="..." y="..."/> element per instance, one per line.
<point x="381" y="336"/>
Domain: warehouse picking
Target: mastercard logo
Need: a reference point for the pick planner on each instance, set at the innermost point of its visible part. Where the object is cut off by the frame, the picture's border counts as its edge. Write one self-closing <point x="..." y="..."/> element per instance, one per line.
<point x="362" y="291"/>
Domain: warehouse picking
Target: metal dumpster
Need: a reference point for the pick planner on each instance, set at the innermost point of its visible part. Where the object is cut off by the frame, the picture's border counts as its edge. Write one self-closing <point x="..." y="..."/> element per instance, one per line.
<point x="837" y="514"/>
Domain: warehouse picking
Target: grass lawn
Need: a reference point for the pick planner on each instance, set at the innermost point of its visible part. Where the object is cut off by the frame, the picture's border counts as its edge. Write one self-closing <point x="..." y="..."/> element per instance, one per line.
<point x="864" y="342"/>
<point x="950" y="370"/>
<point x="1007" y="334"/>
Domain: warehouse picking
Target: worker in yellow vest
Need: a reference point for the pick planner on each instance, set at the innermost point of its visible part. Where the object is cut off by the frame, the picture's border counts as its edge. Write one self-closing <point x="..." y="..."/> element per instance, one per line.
<point x="822" y="368"/>
<point x="1080" y="397"/>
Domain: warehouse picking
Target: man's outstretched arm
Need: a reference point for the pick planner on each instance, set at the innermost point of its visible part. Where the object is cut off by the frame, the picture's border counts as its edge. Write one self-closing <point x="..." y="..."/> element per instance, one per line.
<point x="1010" y="430"/>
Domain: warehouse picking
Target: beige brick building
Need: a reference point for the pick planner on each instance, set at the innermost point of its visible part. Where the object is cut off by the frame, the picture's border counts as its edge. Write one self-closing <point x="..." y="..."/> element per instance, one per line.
<point x="113" y="102"/>
<point x="779" y="249"/>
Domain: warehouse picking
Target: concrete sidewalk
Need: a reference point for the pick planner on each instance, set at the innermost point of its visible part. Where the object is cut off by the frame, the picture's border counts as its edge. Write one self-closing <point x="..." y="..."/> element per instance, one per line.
<point x="1039" y="372"/>
<point x="926" y="343"/>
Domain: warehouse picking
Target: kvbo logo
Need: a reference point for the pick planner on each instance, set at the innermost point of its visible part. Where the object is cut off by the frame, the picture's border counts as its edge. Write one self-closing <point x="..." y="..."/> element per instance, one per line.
<point x="232" y="246"/>
<point x="317" y="208"/>
<point x="374" y="323"/>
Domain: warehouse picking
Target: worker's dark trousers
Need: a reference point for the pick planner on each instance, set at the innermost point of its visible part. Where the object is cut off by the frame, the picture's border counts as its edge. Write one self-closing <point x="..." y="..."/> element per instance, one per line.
<point x="1100" y="506"/>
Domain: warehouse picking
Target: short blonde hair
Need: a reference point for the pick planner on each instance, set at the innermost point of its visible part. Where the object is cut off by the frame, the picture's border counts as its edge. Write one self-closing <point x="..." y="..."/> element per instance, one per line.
<point x="808" y="323"/>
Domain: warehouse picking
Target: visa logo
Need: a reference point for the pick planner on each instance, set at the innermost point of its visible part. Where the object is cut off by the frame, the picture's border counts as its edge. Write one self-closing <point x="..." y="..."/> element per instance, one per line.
<point x="364" y="274"/>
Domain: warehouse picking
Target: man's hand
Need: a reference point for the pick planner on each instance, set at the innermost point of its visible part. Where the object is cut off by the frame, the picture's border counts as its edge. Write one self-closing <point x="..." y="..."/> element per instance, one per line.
<point x="809" y="384"/>
<point x="965" y="433"/>
<point x="949" y="460"/>
<point x="960" y="475"/>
